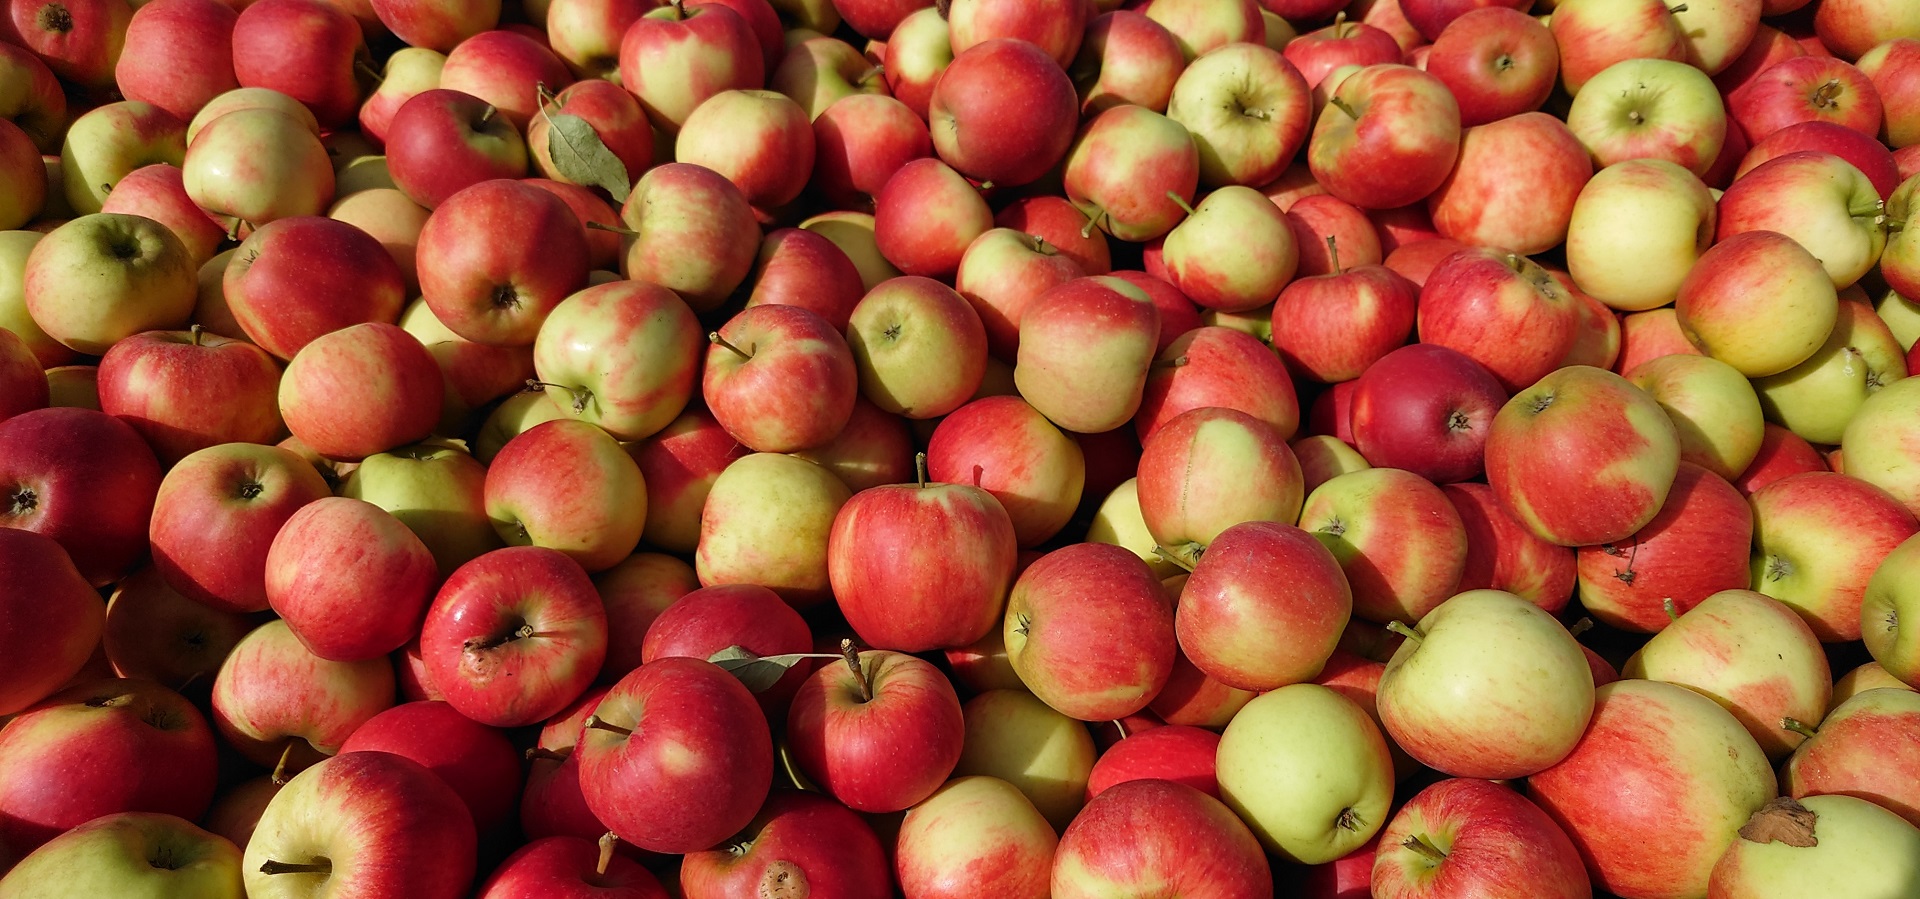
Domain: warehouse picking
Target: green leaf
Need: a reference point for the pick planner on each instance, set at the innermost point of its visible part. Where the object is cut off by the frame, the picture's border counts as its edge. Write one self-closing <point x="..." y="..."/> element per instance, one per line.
<point x="759" y="673"/>
<point x="580" y="156"/>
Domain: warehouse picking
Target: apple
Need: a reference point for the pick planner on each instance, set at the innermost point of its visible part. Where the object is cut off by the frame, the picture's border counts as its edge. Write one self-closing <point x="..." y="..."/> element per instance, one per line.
<point x="1132" y="172"/>
<point x="973" y="834"/>
<point x="408" y="72"/>
<point x="361" y="390"/>
<point x="798" y="841"/>
<point x="1309" y="799"/>
<point x="162" y="33"/>
<point x="1390" y="139"/>
<point x="1125" y="57"/>
<point x="917" y="53"/>
<point x="1792" y="560"/>
<point x="100" y="278"/>
<point x="1203" y="850"/>
<point x="1782" y="453"/>
<point x="1890" y="66"/>
<point x="1649" y="335"/>
<point x="780" y="379"/>
<point x="1427" y="409"/>
<point x="476" y="761"/>
<point x="138" y="855"/>
<point x="1464" y="837"/>
<point x="254" y="166"/>
<point x="879" y="733"/>
<point x="1001" y="273"/>
<point x="1718" y="308"/>
<point x="1262" y="585"/>
<point x="441" y="141"/>
<point x="1014" y="737"/>
<point x="1263" y="260"/>
<point x="1695" y="547"/>
<point x="1888" y="594"/>
<point x="1007" y="448"/>
<point x="1090" y="631"/>
<point x="1500" y="309"/>
<point x="80" y="40"/>
<point x="1869" y="676"/>
<point x="297" y="279"/>
<point x="279" y="705"/>
<point x="94" y="503"/>
<point x="508" y="70"/>
<point x="1497" y="61"/>
<point x="437" y="490"/>
<point x="1003" y="111"/>
<point x="1780" y="846"/>
<point x="1713" y="408"/>
<point x="1217" y="366"/>
<point x="760" y="140"/>
<point x="159" y="192"/>
<point x="569" y="867"/>
<point x="679" y="464"/>
<point x="37" y="105"/>
<point x="695" y="234"/>
<point x="1084" y="352"/>
<point x="435" y="24"/>
<point x="926" y="216"/>
<point x="1054" y="26"/>
<point x="52" y="612"/>
<point x="622" y="356"/>
<point x="1209" y="469"/>
<point x="154" y="633"/>
<point x="1636" y="231"/>
<point x="1819" y="396"/>
<point x="818" y="71"/>
<point x="1805" y="89"/>
<point x="1819" y="200"/>
<point x="1876" y="445"/>
<point x="596" y="533"/>
<point x="1324" y="457"/>
<point x="1867" y="154"/>
<point x="1200" y="26"/>
<point x="215" y="517"/>
<point x="1396" y="536"/>
<point x="482" y="278"/>
<point x="1247" y="108"/>
<point x="1481" y="203"/>
<point x="860" y="141"/>
<point x="674" y="57"/>
<point x="350" y="579"/>
<point x="309" y="50"/>
<point x="767" y="521"/>
<point x="1650" y="109"/>
<point x="896" y="331"/>
<point x="1862" y="749"/>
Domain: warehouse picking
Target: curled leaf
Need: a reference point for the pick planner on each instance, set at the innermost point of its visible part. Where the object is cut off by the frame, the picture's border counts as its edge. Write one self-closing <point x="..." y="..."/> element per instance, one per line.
<point x="757" y="672"/>
<point x="581" y="157"/>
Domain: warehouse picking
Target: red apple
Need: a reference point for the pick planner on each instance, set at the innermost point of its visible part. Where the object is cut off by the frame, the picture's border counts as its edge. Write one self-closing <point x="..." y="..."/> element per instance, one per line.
<point x="708" y="620"/>
<point x="1427" y="409"/>
<point x="925" y="218"/>
<point x="1502" y="310"/>
<point x="83" y="478"/>
<point x="307" y="49"/>
<point x="674" y="57"/>
<point x="441" y="141"/>
<point x="1263" y="585"/>
<point x="879" y="733"/>
<point x="695" y="234"/>
<point x="50" y="613"/>
<point x="1199" y="847"/>
<point x="349" y="579"/>
<point x="1697" y="546"/>
<point x="80" y="40"/>
<point x="1498" y="62"/>
<point x="178" y="55"/>
<point x="1090" y="631"/>
<point x="568" y="867"/>
<point x="480" y="275"/>
<point x="1389" y="138"/>
<point x="1806" y="89"/>
<point x="1217" y="366"/>
<point x="779" y="379"/>
<point x="1336" y="325"/>
<point x="506" y="70"/>
<point x="361" y="390"/>
<point x="1003" y="112"/>
<point x="1503" y="555"/>
<point x="797" y="839"/>
<point x="1463" y="837"/>
<point x="215" y="517"/>
<point x="475" y="760"/>
<point x="280" y="705"/>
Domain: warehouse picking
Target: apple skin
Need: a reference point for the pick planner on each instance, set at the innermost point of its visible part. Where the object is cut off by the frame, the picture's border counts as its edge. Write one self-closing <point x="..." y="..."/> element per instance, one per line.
<point x="1653" y="109"/>
<point x="780" y="379"/>
<point x="1718" y="307"/>
<point x="1889" y="593"/>
<point x="100" y="748"/>
<point x="623" y="356"/>
<point x="215" y="516"/>
<point x="1648" y="217"/>
<point x="1703" y="776"/>
<point x="675" y="58"/>
<point x="679" y="464"/>
<point x="708" y="620"/>
<point x="925" y="216"/>
<point x="1320" y="53"/>
<point x="476" y="644"/>
<point x="1482" y="204"/>
<point x="1819" y="200"/>
<point x="1863" y="748"/>
<point x="1497" y="61"/>
<point x="136" y="855"/>
<point x="1853" y="830"/>
<point x="1427" y="409"/>
<point x="387" y="825"/>
<point x="1000" y="275"/>
<point x="96" y="503"/>
<point x="1503" y="555"/>
<point x="1005" y="447"/>
<point x="860" y="142"/>
<point x="1202" y="849"/>
<point x="350" y="579"/>
<point x="1396" y="145"/>
<point x="1871" y="157"/>
<point x="1696" y="547"/>
<point x="100" y="278"/>
<point x="1054" y="26"/>
<point x="1334" y="326"/>
<point x="1254" y="147"/>
<point x="1126" y="57"/>
<point x="505" y="68"/>
<point x="947" y="590"/>
<point x="897" y="328"/>
<point x="1396" y="536"/>
<point x="154" y="633"/>
<point x="1199" y="27"/>
<point x="567" y="867"/>
<point x="975" y="834"/>
<point x="1805" y="89"/>
<point x="879" y="741"/>
<point x="296" y="279"/>
<point x="1084" y="352"/>
<point x="1195" y="472"/>
<point x="162" y="33"/>
<point x="1133" y="172"/>
<point x="159" y="192"/>
<point x="475" y="760"/>
<point x="1223" y="367"/>
<point x="1797" y="560"/>
<point x="274" y="700"/>
<point x="307" y="49"/>
<point x="699" y="749"/>
<point x="1714" y="409"/>
<point x="798" y="838"/>
<point x="80" y="40"/>
<point x="1781" y="454"/>
<point x="479" y="274"/>
<point x="1280" y="782"/>
<point x="437" y="25"/>
<point x="1090" y="631"/>
<point x="1602" y="419"/>
<point x="1501" y="309"/>
<point x="441" y="141"/>
<point x="1264" y="607"/>
<point x="767" y="520"/>
<point x="187" y="391"/>
<point x="1491" y="842"/>
<point x="1876" y="438"/>
<point x="361" y="390"/>
<point x="1003" y="111"/>
<point x="697" y="234"/>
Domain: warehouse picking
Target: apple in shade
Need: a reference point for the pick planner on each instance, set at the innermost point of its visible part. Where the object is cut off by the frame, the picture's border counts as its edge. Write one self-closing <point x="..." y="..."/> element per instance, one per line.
<point x="1463" y="837"/>
<point x="1888" y="600"/>
<point x="1195" y="473"/>
<point x="1217" y="366"/>
<point x="216" y="515"/>
<point x="154" y="633"/>
<point x="635" y="593"/>
<point x="1863" y="748"/>
<point x="100" y="278"/>
<point x="1636" y="231"/>
<point x="1336" y="325"/>
<point x="799" y="841"/>
<point x="186" y="390"/>
<point x="361" y="390"/>
<point x="482" y="278"/>
<point x="296" y="279"/>
<point x="1389" y="139"/>
<point x="710" y="620"/>
<point x="1782" y="453"/>
<point x="1799" y="559"/>
<point x="879" y="733"/>
<point x="1203" y="850"/>
<point x="1648" y="335"/>
<point x="1696" y="547"/>
<point x="677" y="757"/>
<point x="1426" y="409"/>
<point x="92" y="503"/>
<point x="819" y="71"/>
<point x="1878" y="438"/>
<point x="695" y="234"/>
<point x="437" y="490"/>
<point x="568" y="867"/>
<point x="1309" y="799"/>
<point x="1264" y="608"/>
<point x="1501" y="309"/>
<point x="1713" y="408"/>
<point x="1697" y="774"/>
<point x="362" y="823"/>
<point x="281" y="706"/>
<point x="136" y="855"/>
<point x="409" y="71"/>
<point x="475" y="760"/>
<point x="1549" y="443"/>
<point x="1132" y="172"/>
<point x="974" y="834"/>
<point x="766" y="521"/>
<point x="1002" y="445"/>
<point x="860" y="143"/>
<point x="679" y="464"/>
<point x="1014" y="736"/>
<point x="1324" y="457"/>
<point x="350" y="579"/>
<point x="1003" y="111"/>
<point x="99" y="748"/>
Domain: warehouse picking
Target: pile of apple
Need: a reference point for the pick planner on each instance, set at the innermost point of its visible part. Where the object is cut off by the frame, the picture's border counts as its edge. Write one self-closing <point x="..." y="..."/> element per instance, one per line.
<point x="770" y="449"/>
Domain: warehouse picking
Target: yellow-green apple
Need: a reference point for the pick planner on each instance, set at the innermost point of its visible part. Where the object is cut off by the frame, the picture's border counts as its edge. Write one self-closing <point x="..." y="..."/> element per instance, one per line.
<point x="917" y="54"/>
<point x="159" y="37"/>
<point x="1719" y="648"/>
<point x="1713" y="407"/>
<point x="146" y="749"/>
<point x="899" y="329"/>
<point x="16" y="247"/>
<point x="279" y="705"/>
<point x="1138" y="193"/>
<point x="780" y="379"/>
<point x="1209" y="469"/>
<point x="1582" y="413"/>
<point x="93" y="502"/>
<point x="1817" y="398"/>
<point x="1217" y="366"/>
<point x="1308" y="771"/>
<point x="1782" y="453"/>
<point x="136" y="855"/>
<point x="677" y="757"/>
<point x="615" y="116"/>
<point x="1701" y="773"/>
<point x="1748" y="278"/>
<point x="154" y="633"/>
<point x="1182" y="754"/>
<point x="926" y="216"/>
<point x="635" y="593"/>
<point x="1324" y="457"/>
<point x="1717" y="33"/>
<point x="818" y="71"/>
<point x="1869" y="676"/>
<point x="680" y="463"/>
<point x="409" y="71"/>
<point x="879" y="733"/>
<point x="1805" y="89"/>
<point x="674" y="57"/>
<point x="159" y="192"/>
<point x="1464" y="837"/>
<point x="622" y="356"/>
<point x="766" y="521"/>
<point x="695" y="234"/>
<point x="24" y="176"/>
<point x="1084" y="351"/>
<point x="363" y="823"/>
<point x="1090" y="631"/>
<point x="1879" y="438"/>
<point x="1200" y="26"/>
<point x="100" y="278"/>
<point x="1126" y="57"/>
<point x="1389" y="138"/>
<point x="1889" y="598"/>
<point x="852" y="232"/>
<point x="1636" y="231"/>
<point x="1247" y="109"/>
<point x="1864" y="748"/>
<point x="351" y="580"/>
<point x="1817" y="199"/>
<point x="1650" y="109"/>
<point x="1695" y="547"/>
<point x="51" y="611"/>
<point x="390" y="217"/>
<point x="1398" y="539"/>
<point x="186" y="390"/>
<point x="1892" y="66"/>
<point x="1099" y="854"/>
<point x="1001" y="273"/>
<point x="1055" y="26"/>
<point x="1500" y="309"/>
<point x="251" y="98"/>
<point x="569" y="867"/>
<point x="1003" y="111"/>
<point x="1594" y="35"/>
<point x="595" y="532"/>
<point x="1481" y="204"/>
<point x="361" y="390"/>
<point x="1118" y="521"/>
<point x="973" y="834"/>
<point x="1264" y="608"/>
<point x="1795" y="561"/>
<point x="437" y="490"/>
<point x="1262" y="258"/>
<point x="1498" y="62"/>
<point x="33" y="99"/>
<point x="796" y="267"/>
<point x="80" y="40"/>
<point x="1013" y="736"/>
<point x="215" y="517"/>
<point x="1427" y="409"/>
<point x="255" y="166"/>
<point x="435" y="24"/>
<point x="798" y="840"/>
<point x="507" y="69"/>
<point x="1867" y="154"/>
<point x="309" y="50"/>
<point x="1899" y="264"/>
<point x="482" y="278"/>
<point x="859" y="143"/>
<point x="441" y="141"/>
<point x="297" y="279"/>
<point x="1007" y="448"/>
<point x="477" y="761"/>
<point x="1824" y="842"/>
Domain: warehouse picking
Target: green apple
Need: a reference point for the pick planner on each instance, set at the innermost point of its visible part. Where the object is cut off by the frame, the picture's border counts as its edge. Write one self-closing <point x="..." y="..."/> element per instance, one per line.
<point x="131" y="855"/>
<point x="1308" y="771"/>
<point x="1902" y="315"/>
<point x="1893" y="595"/>
<point x="258" y="165"/>
<point x="766" y="522"/>
<point x="515" y="415"/>
<point x="437" y="490"/>
<point x="108" y="142"/>
<point x="1012" y="735"/>
<point x="1118" y="521"/>
<point x="104" y="276"/>
<point x="1636" y="230"/>
<point x="1821" y="846"/>
<point x="1650" y="109"/>
<point x="15" y="247"/>
<point x="1817" y="398"/>
<point x="1880" y="441"/>
<point x="1714" y="410"/>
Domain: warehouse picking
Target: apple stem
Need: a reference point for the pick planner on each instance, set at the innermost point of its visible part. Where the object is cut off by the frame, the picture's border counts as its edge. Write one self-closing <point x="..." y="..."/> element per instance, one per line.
<point x="195" y="332"/>
<point x="871" y="74"/>
<point x="1406" y="630"/>
<point x="581" y="396"/>
<point x="1341" y="105"/>
<point x="280" y="767"/>
<point x="1825" y="95"/>
<point x="1171" y="558"/>
<point x="323" y="866"/>
<point x="1673" y="611"/>
<point x="859" y="677"/>
<point x="608" y="841"/>
<point x="1340" y="27"/>
<point x="486" y="115"/>
<point x="598" y="723"/>
<point x="1333" y="254"/>
<point x="714" y="336"/>
<point x="1893" y="224"/>
<point x="364" y="68"/>
<point x="1580" y="627"/>
<point x="1420" y="845"/>
<point x="1677" y="8"/>
<point x="1799" y="727"/>
<point x="1121" y="726"/>
<point x="983" y="186"/>
<point x="1175" y="362"/>
<point x="602" y="226"/>
<point x="920" y="468"/>
<point x="542" y="752"/>
<point x="1180" y="202"/>
<point x="1875" y="208"/>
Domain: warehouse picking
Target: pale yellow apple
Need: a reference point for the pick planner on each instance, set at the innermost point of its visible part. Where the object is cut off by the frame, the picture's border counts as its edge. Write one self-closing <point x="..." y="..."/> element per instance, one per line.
<point x="390" y="217"/>
<point x="1713" y="407"/>
<point x="1882" y="442"/>
<point x="1118" y="522"/>
<point x="1902" y="316"/>
<point x="1308" y="771"/>
<point x="1759" y="302"/>
<point x="1821" y="846"/>
<point x="766" y="522"/>
<point x="980" y="832"/>
<point x="1716" y="31"/>
<point x="1637" y="228"/>
<point x="15" y="246"/>
<point x="1324" y="457"/>
<point x="251" y="98"/>
<point x="437" y="490"/>
<point x="852" y="232"/>
<point x="1015" y="737"/>
<point x="508" y="420"/>
<point x="1870" y="676"/>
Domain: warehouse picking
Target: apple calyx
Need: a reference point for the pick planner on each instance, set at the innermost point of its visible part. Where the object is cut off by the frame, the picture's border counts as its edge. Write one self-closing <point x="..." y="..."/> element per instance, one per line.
<point x="320" y="865"/>
<point x="1778" y="569"/>
<point x="23" y="501"/>
<point x="1782" y="820"/>
<point x="715" y="338"/>
<point x="1349" y="820"/>
<point x="55" y="17"/>
<point x="1799" y="727"/>
<point x="1181" y="202"/>
<point x="1425" y="848"/>
<point x="581" y="395"/>
<point x="920" y="468"/>
<point x="783" y="880"/>
<point x="598" y="723"/>
<point x="1406" y="630"/>
<point x="1458" y="421"/>
<point x="608" y="841"/>
<point x="852" y="656"/>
